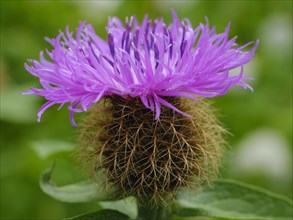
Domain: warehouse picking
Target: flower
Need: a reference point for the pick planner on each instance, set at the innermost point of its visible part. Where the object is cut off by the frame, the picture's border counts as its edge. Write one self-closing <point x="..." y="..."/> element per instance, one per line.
<point x="150" y="61"/>
<point x="145" y="72"/>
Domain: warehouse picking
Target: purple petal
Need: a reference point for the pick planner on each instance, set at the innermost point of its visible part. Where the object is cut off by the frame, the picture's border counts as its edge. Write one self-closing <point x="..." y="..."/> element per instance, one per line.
<point x="147" y="60"/>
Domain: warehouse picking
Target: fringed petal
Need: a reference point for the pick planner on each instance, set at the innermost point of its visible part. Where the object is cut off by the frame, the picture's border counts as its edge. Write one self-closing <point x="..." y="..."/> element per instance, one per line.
<point x="147" y="60"/>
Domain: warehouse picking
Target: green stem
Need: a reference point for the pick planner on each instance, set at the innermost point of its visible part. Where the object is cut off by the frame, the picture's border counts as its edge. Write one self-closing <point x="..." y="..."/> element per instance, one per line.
<point x="147" y="212"/>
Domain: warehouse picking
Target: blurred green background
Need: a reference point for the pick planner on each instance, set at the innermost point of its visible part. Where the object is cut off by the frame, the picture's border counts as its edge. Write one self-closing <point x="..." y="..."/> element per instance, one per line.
<point x="261" y="122"/>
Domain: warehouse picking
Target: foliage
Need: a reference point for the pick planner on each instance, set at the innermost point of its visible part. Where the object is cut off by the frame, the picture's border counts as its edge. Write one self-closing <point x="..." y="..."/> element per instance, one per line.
<point x="225" y="199"/>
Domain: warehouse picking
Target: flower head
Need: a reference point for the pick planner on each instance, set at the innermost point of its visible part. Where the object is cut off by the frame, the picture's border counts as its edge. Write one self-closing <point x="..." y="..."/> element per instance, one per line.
<point x="150" y="61"/>
<point x="145" y="72"/>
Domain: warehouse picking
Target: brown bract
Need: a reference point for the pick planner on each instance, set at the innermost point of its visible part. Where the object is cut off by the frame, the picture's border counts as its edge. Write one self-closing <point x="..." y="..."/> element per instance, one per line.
<point x="152" y="158"/>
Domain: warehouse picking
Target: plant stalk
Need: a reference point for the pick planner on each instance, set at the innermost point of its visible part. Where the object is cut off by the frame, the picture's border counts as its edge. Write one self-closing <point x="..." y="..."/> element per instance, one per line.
<point x="148" y="212"/>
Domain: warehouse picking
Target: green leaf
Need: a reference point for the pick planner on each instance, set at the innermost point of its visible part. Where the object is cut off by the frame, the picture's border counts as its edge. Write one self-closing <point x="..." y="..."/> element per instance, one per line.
<point x="84" y="191"/>
<point x="127" y="206"/>
<point x="101" y="215"/>
<point x="230" y="199"/>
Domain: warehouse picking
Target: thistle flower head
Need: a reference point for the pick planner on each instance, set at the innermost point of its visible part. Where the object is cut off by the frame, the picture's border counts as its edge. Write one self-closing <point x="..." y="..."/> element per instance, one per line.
<point x="140" y="134"/>
<point x="150" y="61"/>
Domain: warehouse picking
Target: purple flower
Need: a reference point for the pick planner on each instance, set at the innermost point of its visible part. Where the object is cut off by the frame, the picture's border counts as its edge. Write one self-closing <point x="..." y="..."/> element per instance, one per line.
<point x="147" y="60"/>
